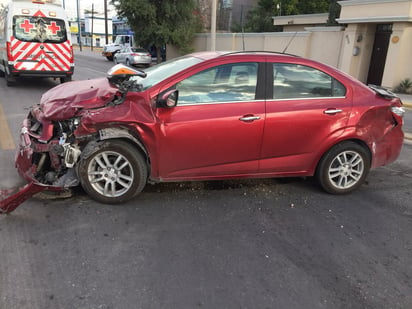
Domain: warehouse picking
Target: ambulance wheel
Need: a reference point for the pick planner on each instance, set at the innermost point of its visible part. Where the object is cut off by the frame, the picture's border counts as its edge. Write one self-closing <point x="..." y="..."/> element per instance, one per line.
<point x="1" y="73"/>
<point x="65" y="79"/>
<point x="10" y="80"/>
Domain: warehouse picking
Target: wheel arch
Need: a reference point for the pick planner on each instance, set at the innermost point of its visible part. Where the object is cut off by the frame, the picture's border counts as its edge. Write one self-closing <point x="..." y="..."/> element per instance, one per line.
<point x="117" y="134"/>
<point x="354" y="140"/>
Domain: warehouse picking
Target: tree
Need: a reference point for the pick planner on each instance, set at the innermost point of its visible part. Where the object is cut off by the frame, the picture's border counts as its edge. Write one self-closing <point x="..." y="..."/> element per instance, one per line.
<point x="334" y="12"/>
<point x="160" y="22"/>
<point x="260" y="18"/>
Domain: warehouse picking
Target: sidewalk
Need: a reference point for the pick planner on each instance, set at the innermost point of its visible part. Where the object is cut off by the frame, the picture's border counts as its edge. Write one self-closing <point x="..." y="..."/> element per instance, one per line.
<point x="407" y="102"/>
<point x="406" y="99"/>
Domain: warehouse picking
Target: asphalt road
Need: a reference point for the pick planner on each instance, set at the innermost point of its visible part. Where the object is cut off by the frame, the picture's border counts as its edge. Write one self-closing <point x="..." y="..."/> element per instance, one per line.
<point x="224" y="244"/>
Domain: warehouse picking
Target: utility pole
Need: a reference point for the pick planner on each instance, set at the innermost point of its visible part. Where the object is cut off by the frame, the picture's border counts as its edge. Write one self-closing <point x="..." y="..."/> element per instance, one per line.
<point x="92" y="25"/>
<point x="106" y="27"/>
<point x="79" y="31"/>
<point x="213" y="26"/>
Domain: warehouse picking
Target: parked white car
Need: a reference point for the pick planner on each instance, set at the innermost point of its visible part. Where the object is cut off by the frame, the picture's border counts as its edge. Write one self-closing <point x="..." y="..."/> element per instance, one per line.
<point x="133" y="56"/>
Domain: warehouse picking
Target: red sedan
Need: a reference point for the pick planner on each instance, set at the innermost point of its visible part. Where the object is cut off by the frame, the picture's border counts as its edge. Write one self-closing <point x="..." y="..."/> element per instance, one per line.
<point x="211" y="115"/>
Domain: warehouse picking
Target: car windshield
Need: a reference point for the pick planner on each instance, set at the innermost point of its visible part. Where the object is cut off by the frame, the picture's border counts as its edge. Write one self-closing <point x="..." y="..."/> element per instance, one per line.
<point x="160" y="72"/>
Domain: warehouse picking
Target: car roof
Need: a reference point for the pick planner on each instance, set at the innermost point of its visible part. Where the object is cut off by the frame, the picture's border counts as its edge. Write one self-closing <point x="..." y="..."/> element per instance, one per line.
<point x="215" y="54"/>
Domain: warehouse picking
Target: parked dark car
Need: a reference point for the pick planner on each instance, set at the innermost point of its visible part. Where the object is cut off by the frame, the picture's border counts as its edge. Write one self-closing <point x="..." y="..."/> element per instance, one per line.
<point x="133" y="56"/>
<point x="206" y="116"/>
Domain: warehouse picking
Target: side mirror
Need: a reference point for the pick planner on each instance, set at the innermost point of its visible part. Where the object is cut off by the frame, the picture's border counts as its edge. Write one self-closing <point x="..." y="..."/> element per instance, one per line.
<point x="168" y="99"/>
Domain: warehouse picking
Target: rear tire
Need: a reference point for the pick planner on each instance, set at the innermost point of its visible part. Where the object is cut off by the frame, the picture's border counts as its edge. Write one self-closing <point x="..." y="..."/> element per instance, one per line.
<point x="65" y="79"/>
<point x="343" y="168"/>
<point x="114" y="173"/>
<point x="10" y="80"/>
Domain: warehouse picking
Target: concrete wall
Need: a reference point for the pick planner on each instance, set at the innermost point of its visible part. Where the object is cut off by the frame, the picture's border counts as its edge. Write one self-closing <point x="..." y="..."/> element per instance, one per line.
<point x="398" y="60"/>
<point x="348" y="49"/>
<point x="318" y="43"/>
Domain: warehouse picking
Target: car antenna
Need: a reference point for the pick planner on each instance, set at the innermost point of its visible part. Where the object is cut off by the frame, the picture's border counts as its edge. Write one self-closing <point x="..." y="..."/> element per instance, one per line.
<point x="290" y="41"/>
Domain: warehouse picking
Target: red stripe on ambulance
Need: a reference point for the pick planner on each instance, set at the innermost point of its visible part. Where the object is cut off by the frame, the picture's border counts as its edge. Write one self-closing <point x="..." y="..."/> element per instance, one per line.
<point x="50" y="57"/>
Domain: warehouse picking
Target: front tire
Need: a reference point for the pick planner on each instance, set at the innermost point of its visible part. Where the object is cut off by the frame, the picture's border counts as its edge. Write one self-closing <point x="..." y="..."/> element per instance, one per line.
<point x="343" y="168"/>
<point x="114" y="173"/>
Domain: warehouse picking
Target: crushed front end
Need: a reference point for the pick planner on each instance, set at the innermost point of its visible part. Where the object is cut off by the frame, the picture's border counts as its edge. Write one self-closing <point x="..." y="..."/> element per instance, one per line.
<point x="48" y="150"/>
<point x="68" y="118"/>
<point x="45" y="158"/>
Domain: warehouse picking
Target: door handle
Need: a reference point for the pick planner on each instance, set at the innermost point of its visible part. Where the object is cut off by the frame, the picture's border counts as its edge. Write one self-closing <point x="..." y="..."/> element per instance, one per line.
<point x="332" y="111"/>
<point x="249" y="118"/>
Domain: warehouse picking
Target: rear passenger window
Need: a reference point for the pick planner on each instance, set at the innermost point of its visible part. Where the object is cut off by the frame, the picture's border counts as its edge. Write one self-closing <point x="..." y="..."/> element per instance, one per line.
<point x="293" y="81"/>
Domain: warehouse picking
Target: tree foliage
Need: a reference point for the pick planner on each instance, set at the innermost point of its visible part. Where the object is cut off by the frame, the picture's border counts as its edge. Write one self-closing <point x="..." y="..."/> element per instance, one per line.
<point x="160" y="22"/>
<point x="260" y="18"/>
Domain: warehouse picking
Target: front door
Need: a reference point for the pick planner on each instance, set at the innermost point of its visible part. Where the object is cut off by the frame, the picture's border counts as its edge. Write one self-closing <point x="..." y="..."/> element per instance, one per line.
<point x="216" y="128"/>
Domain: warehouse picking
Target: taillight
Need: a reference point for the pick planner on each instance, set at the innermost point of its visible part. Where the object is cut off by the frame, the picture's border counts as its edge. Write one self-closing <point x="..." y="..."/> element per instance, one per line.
<point x="9" y="53"/>
<point x="398" y="110"/>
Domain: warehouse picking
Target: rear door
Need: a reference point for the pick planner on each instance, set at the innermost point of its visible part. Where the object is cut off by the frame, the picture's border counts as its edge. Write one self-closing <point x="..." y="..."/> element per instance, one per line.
<point x="306" y="108"/>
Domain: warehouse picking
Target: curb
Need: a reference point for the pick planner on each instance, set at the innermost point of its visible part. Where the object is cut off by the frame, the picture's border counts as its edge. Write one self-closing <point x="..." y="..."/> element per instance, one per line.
<point x="407" y="104"/>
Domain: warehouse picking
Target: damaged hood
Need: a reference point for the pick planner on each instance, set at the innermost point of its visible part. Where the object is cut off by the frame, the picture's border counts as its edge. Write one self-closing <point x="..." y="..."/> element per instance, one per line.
<point x="65" y="100"/>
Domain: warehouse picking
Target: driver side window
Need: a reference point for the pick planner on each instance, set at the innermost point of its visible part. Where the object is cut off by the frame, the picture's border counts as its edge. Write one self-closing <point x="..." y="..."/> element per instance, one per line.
<point x="225" y="83"/>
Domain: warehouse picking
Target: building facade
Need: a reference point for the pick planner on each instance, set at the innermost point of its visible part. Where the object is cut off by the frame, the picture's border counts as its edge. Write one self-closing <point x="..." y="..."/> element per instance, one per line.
<point x="373" y="41"/>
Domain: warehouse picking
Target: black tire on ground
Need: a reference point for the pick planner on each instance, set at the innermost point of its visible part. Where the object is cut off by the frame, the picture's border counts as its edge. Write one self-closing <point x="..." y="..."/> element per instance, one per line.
<point x="110" y="58"/>
<point x="10" y="80"/>
<point x="343" y="168"/>
<point x="114" y="173"/>
<point x="65" y="79"/>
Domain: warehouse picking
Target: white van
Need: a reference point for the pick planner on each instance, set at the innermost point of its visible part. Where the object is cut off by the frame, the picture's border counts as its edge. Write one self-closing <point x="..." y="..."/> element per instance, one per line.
<point x="35" y="41"/>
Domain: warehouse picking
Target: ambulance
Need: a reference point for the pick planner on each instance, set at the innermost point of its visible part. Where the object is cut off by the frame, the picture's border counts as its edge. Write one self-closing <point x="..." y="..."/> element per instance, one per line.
<point x="35" y="41"/>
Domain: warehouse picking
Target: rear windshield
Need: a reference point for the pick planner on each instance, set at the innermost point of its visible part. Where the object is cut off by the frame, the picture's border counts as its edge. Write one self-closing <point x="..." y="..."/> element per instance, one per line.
<point x="139" y="50"/>
<point x="39" y="29"/>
